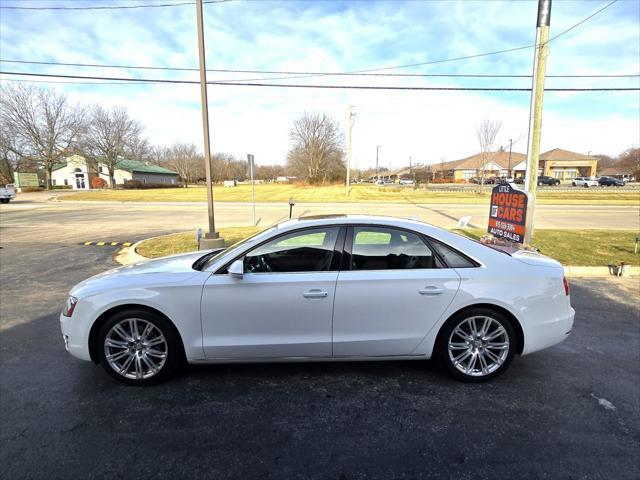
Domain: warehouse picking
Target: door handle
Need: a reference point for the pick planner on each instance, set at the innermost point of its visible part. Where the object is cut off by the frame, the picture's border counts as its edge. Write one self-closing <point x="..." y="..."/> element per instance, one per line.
<point x="431" y="290"/>
<point x="315" y="293"/>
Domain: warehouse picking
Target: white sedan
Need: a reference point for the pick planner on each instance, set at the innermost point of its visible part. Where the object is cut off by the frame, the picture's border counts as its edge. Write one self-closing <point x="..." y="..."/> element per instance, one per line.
<point x="323" y="289"/>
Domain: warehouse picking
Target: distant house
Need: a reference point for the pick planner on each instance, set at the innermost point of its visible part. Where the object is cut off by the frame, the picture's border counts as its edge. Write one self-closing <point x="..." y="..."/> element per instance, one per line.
<point x="77" y="172"/>
<point x="561" y="164"/>
<point x="618" y="172"/>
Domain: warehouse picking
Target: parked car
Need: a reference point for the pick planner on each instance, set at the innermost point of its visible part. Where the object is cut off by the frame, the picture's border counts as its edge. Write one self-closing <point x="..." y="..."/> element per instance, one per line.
<point x="584" y="182"/>
<point x="610" y="182"/>
<point x="546" y="180"/>
<point x="519" y="180"/>
<point x="7" y="193"/>
<point x="329" y="288"/>
<point x="406" y="181"/>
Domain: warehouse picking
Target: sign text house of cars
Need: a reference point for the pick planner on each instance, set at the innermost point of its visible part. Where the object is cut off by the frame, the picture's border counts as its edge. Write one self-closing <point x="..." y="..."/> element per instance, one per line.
<point x="507" y="213"/>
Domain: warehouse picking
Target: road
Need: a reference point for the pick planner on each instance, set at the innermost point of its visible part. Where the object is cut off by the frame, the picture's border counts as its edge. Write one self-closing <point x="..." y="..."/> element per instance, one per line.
<point x="572" y="411"/>
<point x="32" y="213"/>
<point x="569" y="412"/>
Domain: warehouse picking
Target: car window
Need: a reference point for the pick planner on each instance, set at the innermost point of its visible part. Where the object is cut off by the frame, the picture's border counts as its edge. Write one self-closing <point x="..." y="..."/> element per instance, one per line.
<point x="309" y="250"/>
<point x="452" y="257"/>
<point x="377" y="248"/>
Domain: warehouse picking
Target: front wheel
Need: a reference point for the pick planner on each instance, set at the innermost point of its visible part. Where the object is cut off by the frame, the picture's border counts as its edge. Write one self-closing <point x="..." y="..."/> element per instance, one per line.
<point x="139" y="348"/>
<point x="586" y="185"/>
<point x="4" y="200"/>
<point x="477" y="345"/>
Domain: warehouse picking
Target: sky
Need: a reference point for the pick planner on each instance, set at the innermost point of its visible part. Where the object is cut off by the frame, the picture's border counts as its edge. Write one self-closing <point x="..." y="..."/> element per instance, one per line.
<point x="344" y="36"/>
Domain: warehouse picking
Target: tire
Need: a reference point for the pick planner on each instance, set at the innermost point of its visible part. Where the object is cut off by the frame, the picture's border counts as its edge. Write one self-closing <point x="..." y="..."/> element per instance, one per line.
<point x="573" y="184"/>
<point x="496" y="360"/>
<point x="586" y="185"/>
<point x="539" y="184"/>
<point x="4" y="200"/>
<point x="132" y="360"/>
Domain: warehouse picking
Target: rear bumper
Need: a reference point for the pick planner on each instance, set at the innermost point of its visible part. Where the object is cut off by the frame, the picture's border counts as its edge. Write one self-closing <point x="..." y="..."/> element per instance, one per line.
<point x="548" y="333"/>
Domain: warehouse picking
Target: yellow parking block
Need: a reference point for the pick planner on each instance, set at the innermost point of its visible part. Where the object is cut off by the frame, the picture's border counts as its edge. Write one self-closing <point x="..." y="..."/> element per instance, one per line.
<point x="126" y="244"/>
<point x="88" y="243"/>
<point x="100" y="244"/>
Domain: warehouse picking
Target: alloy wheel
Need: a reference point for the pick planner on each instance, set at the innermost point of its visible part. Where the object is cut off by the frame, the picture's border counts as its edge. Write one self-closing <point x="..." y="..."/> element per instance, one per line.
<point x="135" y="348"/>
<point x="478" y="346"/>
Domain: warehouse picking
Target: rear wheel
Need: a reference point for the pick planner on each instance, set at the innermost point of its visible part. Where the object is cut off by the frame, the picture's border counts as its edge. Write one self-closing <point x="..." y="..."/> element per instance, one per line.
<point x="477" y="345"/>
<point x="138" y="347"/>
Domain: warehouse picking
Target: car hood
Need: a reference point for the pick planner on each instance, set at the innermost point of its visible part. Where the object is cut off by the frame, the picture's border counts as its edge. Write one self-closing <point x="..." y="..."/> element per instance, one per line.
<point x="162" y="271"/>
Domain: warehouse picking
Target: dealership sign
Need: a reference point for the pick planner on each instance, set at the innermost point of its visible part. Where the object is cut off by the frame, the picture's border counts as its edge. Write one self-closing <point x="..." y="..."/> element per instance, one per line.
<point x="508" y="213"/>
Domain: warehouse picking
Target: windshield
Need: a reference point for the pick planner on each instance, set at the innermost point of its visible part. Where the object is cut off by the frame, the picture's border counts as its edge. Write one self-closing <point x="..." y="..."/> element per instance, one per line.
<point x="205" y="261"/>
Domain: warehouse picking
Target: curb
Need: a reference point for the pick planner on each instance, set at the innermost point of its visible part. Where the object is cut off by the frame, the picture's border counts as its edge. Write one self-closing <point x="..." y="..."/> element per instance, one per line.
<point x="576" y="271"/>
<point x="128" y="255"/>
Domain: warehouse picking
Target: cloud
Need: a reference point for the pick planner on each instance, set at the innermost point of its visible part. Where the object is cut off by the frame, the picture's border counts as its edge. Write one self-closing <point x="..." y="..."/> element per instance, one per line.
<point x="347" y="36"/>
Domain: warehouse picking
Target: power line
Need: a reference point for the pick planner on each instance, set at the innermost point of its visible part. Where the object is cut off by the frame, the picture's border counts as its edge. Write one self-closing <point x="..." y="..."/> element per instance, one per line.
<point x="328" y="74"/>
<point x="319" y="74"/>
<point x="341" y="87"/>
<point x="111" y="7"/>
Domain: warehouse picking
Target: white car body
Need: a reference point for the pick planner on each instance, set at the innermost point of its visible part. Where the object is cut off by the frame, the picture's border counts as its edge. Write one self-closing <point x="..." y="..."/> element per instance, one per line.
<point x="7" y="193"/>
<point x="381" y="314"/>
<point x="585" y="182"/>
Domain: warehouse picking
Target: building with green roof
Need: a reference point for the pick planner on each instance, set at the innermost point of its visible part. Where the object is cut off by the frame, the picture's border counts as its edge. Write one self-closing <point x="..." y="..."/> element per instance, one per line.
<point x="77" y="173"/>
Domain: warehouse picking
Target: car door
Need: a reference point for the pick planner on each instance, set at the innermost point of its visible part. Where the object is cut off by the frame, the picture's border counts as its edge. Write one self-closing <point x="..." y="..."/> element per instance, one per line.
<point x="282" y="305"/>
<point x="390" y="293"/>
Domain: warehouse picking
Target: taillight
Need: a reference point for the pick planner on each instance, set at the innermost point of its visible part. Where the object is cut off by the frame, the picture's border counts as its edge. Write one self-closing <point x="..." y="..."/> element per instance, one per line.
<point x="566" y="285"/>
<point x="70" y="306"/>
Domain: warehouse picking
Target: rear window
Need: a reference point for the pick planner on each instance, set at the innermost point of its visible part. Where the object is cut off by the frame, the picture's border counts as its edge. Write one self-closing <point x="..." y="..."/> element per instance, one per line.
<point x="452" y="257"/>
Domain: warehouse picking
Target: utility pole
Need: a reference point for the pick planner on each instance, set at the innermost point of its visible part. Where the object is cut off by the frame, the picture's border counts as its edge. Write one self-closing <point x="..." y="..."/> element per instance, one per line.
<point x="377" y="156"/>
<point x="535" y="114"/>
<point x="211" y="238"/>
<point x="510" y="146"/>
<point x="251" y="162"/>
<point x="350" y="126"/>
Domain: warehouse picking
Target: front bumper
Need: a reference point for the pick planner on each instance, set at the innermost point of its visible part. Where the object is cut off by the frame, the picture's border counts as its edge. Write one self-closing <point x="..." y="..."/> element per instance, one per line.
<point x="76" y="339"/>
<point x="549" y="333"/>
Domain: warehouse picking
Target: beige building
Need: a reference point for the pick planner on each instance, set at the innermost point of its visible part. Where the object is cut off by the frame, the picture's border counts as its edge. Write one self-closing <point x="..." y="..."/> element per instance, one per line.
<point x="561" y="164"/>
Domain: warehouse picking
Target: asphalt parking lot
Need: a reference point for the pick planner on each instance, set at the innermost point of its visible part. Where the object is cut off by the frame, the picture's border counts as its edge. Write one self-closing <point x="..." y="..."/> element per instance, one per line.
<point x="572" y="411"/>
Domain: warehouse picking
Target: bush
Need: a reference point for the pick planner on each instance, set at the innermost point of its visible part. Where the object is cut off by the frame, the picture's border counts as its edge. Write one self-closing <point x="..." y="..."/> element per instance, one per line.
<point x="97" y="182"/>
<point x="60" y="187"/>
<point x="30" y="189"/>
<point x="138" y="185"/>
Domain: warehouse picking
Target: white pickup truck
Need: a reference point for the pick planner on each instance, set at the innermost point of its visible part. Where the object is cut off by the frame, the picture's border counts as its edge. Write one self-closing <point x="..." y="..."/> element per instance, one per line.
<point x="7" y="193"/>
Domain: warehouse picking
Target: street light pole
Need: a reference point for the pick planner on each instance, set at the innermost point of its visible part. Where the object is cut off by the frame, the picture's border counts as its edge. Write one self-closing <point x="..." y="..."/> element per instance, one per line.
<point x="212" y="238"/>
<point x="377" y="155"/>
<point x="535" y="118"/>
<point x="350" y="126"/>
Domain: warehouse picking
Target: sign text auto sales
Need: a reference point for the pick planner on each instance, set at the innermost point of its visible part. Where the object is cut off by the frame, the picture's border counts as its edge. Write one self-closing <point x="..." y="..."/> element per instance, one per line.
<point x="507" y="214"/>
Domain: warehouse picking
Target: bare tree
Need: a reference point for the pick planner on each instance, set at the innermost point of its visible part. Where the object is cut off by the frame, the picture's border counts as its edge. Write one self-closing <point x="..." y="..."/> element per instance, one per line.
<point x="39" y="125"/>
<point x="109" y="136"/>
<point x="186" y="160"/>
<point x="486" y="131"/>
<point x="316" y="154"/>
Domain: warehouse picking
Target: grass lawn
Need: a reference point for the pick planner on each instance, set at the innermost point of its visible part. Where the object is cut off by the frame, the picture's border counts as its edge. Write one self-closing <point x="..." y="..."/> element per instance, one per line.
<point x="569" y="247"/>
<point x="336" y="193"/>
<point x="581" y="247"/>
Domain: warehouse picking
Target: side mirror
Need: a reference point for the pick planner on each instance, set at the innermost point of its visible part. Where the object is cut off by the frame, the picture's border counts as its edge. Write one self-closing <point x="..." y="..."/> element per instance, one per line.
<point x="236" y="269"/>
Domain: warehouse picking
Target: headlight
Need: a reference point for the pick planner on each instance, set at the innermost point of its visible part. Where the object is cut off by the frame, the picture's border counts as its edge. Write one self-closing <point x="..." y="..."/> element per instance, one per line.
<point x="70" y="306"/>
